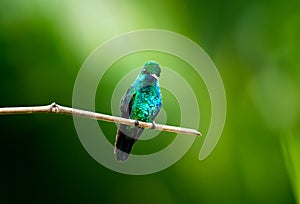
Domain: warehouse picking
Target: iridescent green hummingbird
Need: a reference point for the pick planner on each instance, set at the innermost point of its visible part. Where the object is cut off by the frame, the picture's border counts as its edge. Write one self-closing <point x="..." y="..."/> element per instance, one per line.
<point x="141" y="102"/>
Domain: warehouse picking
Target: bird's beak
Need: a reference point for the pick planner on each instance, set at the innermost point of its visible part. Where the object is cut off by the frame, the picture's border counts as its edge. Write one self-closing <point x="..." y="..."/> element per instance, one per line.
<point x="155" y="76"/>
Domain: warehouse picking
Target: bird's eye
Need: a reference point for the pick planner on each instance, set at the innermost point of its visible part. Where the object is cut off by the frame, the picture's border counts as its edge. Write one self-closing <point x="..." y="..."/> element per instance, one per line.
<point x="144" y="71"/>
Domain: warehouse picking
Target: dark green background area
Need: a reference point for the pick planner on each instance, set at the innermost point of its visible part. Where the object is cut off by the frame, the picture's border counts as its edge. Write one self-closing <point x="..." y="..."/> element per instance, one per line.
<point x="255" y="46"/>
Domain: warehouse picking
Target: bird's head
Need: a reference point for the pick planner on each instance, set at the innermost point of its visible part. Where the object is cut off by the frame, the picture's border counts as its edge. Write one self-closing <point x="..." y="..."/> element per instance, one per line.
<point x="151" y="69"/>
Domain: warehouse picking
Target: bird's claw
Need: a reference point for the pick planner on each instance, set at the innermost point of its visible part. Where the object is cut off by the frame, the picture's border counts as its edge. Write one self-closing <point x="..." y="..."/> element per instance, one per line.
<point x="136" y="123"/>
<point x="153" y="125"/>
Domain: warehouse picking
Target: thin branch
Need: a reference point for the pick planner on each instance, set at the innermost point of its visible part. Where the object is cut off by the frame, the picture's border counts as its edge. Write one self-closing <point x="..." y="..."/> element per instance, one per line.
<point x="58" y="109"/>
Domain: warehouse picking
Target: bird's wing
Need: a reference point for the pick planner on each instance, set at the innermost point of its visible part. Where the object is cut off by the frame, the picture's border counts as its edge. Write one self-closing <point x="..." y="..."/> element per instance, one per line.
<point x="126" y="102"/>
<point x="155" y="112"/>
<point x="126" y="135"/>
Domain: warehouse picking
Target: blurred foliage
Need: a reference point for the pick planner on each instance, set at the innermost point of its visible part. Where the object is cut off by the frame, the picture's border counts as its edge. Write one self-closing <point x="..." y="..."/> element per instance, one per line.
<point x="254" y="44"/>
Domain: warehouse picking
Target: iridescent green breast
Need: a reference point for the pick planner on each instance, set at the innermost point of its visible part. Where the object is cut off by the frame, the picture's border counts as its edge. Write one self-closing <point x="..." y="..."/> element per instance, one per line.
<point x="146" y="104"/>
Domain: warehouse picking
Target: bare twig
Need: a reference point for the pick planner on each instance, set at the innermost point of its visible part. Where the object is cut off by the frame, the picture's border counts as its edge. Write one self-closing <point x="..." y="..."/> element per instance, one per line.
<point x="55" y="108"/>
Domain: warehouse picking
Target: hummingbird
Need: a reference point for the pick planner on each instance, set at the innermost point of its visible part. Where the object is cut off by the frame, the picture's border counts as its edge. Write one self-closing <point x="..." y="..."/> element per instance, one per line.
<point x="141" y="102"/>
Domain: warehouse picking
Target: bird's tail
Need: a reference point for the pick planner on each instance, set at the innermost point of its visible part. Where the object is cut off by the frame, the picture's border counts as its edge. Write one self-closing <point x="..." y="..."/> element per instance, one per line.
<point x="123" y="146"/>
<point x="125" y="139"/>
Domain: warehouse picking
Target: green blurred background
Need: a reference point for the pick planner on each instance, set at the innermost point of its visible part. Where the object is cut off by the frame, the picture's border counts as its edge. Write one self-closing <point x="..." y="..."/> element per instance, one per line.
<point x="254" y="44"/>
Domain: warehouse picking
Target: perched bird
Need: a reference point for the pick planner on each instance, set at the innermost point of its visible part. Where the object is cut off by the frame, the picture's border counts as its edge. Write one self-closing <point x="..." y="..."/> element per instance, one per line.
<point x="141" y="102"/>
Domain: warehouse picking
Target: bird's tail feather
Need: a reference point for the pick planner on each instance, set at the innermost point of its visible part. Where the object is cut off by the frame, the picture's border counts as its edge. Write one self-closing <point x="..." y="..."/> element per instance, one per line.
<point x="124" y="142"/>
<point x="123" y="146"/>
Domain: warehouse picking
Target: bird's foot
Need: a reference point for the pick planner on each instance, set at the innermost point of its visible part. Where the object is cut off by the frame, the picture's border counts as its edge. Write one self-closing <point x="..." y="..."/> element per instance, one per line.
<point x="136" y="123"/>
<point x="153" y="125"/>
